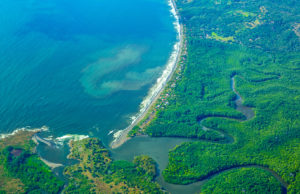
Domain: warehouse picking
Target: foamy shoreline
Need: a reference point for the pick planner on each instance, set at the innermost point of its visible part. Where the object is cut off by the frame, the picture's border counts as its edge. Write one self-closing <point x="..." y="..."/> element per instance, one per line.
<point x="121" y="136"/>
<point x="44" y="128"/>
<point x="36" y="139"/>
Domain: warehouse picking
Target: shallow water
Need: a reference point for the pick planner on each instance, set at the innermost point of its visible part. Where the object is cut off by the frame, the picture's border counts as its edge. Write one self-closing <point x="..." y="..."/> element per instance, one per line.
<point x="82" y="66"/>
<point x="158" y="149"/>
<point x="247" y="111"/>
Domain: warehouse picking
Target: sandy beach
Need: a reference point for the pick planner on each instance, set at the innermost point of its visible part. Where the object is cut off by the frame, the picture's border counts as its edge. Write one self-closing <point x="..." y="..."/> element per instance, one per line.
<point x="36" y="139"/>
<point x="51" y="164"/>
<point x="121" y="136"/>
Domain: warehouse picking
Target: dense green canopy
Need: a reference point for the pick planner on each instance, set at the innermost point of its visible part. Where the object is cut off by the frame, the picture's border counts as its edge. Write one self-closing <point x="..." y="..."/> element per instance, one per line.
<point x="257" y="42"/>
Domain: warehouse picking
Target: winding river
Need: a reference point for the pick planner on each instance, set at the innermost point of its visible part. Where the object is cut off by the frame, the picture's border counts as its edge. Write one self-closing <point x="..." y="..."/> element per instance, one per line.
<point x="159" y="147"/>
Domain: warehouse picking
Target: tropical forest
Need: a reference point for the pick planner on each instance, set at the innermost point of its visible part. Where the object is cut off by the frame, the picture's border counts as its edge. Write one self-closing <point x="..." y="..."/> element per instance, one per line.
<point x="234" y="100"/>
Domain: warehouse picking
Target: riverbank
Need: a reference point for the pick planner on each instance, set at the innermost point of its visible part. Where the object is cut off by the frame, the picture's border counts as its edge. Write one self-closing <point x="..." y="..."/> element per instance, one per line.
<point x="158" y="149"/>
<point x="21" y="166"/>
<point x="21" y="137"/>
<point x="51" y="164"/>
<point x="121" y="136"/>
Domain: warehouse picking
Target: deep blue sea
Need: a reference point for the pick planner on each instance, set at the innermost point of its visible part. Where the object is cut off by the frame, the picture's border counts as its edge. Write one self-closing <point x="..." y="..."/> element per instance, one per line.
<point x="80" y="66"/>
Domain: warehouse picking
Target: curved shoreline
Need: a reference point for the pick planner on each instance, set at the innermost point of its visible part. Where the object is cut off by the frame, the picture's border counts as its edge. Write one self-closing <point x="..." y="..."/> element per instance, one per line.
<point x="35" y="130"/>
<point x="121" y="136"/>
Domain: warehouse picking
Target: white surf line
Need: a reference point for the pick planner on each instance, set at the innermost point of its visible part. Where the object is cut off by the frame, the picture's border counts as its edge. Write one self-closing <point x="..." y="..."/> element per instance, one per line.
<point x="44" y="128"/>
<point x="38" y="139"/>
<point x="121" y="136"/>
<point x="68" y="137"/>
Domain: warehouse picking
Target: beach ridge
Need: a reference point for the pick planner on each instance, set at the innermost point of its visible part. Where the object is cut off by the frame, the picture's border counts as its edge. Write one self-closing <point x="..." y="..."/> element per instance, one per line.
<point x="121" y="136"/>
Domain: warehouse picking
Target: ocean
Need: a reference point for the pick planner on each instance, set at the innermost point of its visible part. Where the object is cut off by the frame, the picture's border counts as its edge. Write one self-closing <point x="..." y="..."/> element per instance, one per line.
<point x="81" y="66"/>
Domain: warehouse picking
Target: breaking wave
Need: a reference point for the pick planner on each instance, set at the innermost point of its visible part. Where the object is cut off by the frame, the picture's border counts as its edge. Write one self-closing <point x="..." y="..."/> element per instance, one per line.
<point x="162" y="80"/>
<point x="66" y="138"/>
<point x="44" y="128"/>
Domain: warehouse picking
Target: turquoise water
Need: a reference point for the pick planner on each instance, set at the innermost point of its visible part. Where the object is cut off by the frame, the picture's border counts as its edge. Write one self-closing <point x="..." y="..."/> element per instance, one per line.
<point x="80" y="66"/>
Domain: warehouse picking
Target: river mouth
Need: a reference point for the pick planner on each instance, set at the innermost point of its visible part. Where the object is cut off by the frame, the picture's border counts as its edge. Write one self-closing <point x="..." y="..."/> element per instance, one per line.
<point x="157" y="148"/>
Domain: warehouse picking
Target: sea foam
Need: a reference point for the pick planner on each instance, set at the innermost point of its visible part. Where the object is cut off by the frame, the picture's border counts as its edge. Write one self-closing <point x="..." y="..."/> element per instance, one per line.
<point x="171" y="64"/>
<point x="162" y="80"/>
<point x="66" y="138"/>
<point x="43" y="128"/>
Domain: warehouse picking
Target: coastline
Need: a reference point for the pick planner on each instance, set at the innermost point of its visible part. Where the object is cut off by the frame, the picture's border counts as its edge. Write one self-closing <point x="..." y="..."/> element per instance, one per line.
<point x="30" y="134"/>
<point x="121" y="136"/>
<point x="35" y="130"/>
<point x="36" y="139"/>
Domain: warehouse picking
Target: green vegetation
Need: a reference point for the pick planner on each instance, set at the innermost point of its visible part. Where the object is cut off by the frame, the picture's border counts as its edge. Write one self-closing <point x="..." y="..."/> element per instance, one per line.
<point x="261" y="50"/>
<point x="98" y="173"/>
<point x="215" y="36"/>
<point x="265" y="60"/>
<point x="34" y="174"/>
<point x="134" y="131"/>
<point x="21" y="171"/>
<point x="243" y="180"/>
<point x="245" y="13"/>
